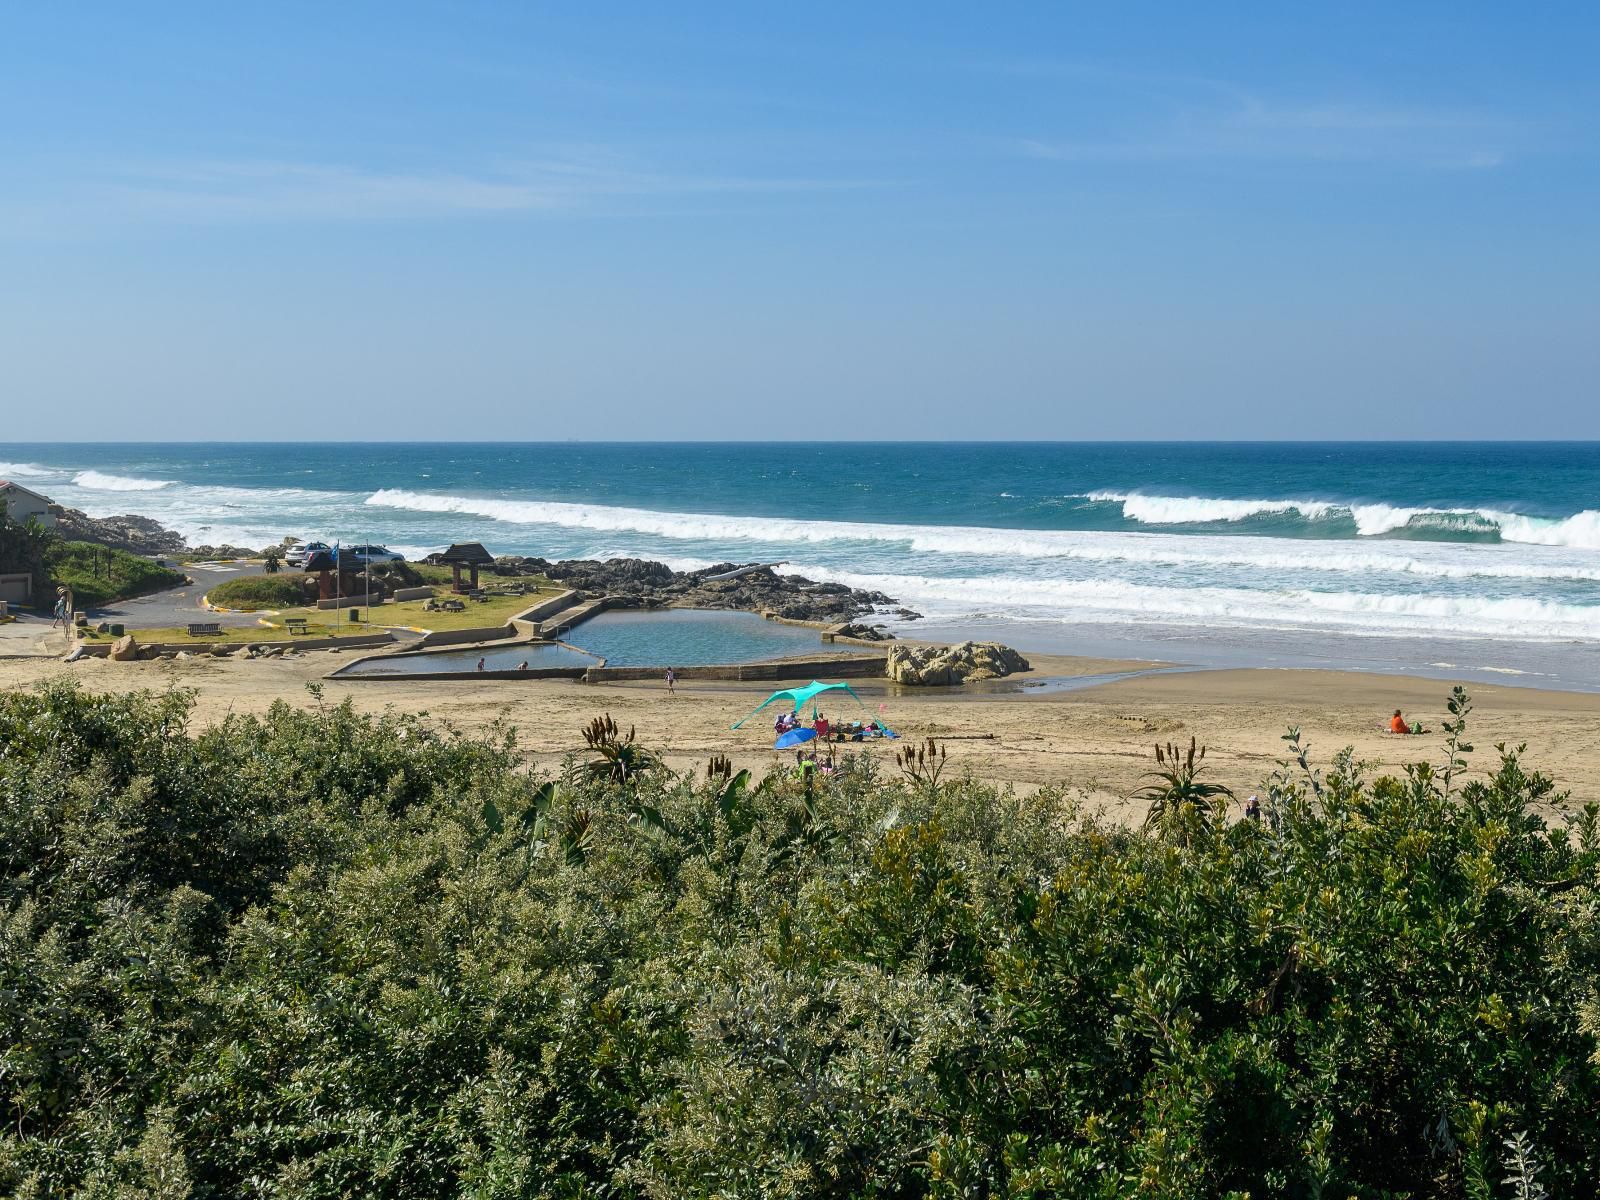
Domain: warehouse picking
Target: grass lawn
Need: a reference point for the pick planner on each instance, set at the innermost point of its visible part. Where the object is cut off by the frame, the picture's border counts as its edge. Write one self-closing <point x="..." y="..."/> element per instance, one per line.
<point x="496" y="610"/>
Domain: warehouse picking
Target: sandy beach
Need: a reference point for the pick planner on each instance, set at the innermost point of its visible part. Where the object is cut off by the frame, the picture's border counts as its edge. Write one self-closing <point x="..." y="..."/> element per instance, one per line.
<point x="1097" y="738"/>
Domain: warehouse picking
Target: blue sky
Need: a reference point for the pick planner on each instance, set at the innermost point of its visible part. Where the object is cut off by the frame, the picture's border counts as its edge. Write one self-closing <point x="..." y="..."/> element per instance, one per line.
<point x="693" y="221"/>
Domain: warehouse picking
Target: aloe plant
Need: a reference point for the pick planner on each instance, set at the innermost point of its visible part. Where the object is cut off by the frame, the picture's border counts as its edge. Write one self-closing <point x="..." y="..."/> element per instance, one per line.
<point x="1181" y="803"/>
<point x="617" y="758"/>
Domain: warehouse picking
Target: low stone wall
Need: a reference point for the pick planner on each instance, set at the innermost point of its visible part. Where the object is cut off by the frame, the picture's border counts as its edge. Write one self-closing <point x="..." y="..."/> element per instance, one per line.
<point x="574" y="673"/>
<point x="550" y="607"/>
<point x="823" y="627"/>
<point x="416" y="593"/>
<point x="457" y="637"/>
<point x="864" y="667"/>
<point x="353" y="601"/>
<point x="359" y="641"/>
<point x="582" y="612"/>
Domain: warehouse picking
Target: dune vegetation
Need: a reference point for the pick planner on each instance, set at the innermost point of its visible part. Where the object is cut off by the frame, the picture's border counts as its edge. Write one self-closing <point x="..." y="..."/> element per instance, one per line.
<point x="318" y="953"/>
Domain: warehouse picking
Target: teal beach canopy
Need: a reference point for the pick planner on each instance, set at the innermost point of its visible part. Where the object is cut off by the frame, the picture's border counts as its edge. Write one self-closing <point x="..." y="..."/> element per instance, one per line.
<point x="799" y="697"/>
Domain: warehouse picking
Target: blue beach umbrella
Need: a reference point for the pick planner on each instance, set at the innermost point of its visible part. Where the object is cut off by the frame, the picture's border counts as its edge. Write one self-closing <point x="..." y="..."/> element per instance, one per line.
<point x="801" y="696"/>
<point x="793" y="738"/>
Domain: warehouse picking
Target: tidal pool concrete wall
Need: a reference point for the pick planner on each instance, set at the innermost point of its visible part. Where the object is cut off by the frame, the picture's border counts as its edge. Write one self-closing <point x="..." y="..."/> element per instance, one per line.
<point x="862" y="667"/>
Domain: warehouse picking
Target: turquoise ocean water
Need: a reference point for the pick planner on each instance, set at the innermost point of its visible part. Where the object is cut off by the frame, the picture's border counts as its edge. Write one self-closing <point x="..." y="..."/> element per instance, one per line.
<point x="1478" y="560"/>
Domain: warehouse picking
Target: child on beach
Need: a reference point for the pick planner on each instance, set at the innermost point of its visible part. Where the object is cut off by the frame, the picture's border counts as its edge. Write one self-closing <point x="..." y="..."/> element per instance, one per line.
<point x="672" y="682"/>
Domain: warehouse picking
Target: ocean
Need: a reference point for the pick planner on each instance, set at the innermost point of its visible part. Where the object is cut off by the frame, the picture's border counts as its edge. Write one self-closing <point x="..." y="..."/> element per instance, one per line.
<point x="1457" y="560"/>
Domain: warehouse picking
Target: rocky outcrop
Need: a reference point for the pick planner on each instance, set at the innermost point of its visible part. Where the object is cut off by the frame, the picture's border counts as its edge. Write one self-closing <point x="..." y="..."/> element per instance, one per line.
<point x="223" y="551"/>
<point x="124" y="649"/>
<point x="941" y="666"/>
<point x="135" y="534"/>
<point x="858" y="632"/>
<point x="749" y="587"/>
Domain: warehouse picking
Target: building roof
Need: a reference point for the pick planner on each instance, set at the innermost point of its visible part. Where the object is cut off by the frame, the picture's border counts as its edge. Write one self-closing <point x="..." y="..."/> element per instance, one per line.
<point x="466" y="553"/>
<point x="7" y="485"/>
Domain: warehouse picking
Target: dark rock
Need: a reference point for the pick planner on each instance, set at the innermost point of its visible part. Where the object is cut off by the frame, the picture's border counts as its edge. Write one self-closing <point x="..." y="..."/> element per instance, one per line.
<point x="757" y="589"/>
<point x="135" y="534"/>
<point x="864" y="633"/>
<point x="223" y="551"/>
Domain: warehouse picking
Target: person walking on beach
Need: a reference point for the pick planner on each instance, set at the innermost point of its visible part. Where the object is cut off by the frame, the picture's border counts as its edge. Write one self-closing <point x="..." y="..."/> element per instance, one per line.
<point x="672" y="682"/>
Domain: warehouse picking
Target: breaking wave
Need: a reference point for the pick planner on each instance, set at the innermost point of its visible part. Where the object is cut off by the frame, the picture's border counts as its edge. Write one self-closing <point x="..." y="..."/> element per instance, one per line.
<point x="1110" y="601"/>
<point x="1199" y="550"/>
<point x="1580" y="531"/>
<point x="99" y="481"/>
<point x="24" y="471"/>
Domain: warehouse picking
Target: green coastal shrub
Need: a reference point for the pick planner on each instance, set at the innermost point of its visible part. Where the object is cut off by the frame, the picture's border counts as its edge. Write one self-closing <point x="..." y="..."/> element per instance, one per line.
<point x="321" y="954"/>
<point x="99" y="574"/>
<point x="25" y="549"/>
<point x="260" y="591"/>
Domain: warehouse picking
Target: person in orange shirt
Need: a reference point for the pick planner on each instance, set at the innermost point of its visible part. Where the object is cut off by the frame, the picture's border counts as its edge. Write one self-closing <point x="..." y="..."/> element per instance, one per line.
<point x="1398" y="723"/>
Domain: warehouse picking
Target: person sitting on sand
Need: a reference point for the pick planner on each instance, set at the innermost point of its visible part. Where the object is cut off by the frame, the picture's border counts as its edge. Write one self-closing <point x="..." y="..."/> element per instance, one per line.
<point x="822" y="728"/>
<point x="1397" y="723"/>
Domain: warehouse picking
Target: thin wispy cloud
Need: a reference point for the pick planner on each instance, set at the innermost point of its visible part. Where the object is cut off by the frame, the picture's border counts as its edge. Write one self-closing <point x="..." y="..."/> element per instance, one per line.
<point x="1159" y="119"/>
<point x="263" y="190"/>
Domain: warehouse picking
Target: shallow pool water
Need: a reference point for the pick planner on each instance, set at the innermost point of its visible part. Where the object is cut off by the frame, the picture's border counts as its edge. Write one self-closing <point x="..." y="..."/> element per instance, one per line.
<point x="454" y="662"/>
<point x="665" y="638"/>
<point x="690" y="638"/>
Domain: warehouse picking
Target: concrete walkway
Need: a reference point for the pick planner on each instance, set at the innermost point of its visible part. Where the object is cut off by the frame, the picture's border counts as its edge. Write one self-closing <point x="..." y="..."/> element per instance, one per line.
<point x="30" y="636"/>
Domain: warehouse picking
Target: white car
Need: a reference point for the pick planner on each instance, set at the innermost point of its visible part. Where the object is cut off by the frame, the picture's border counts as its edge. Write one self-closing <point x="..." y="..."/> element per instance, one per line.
<point x="367" y="553"/>
<point x="297" y="555"/>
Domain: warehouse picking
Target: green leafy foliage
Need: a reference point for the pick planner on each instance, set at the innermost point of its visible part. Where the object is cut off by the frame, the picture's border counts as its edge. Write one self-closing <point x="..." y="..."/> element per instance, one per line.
<point x="97" y="574"/>
<point x="254" y="592"/>
<point x="617" y="758"/>
<point x="315" y="953"/>
<point x="1182" y="806"/>
<point x="25" y="548"/>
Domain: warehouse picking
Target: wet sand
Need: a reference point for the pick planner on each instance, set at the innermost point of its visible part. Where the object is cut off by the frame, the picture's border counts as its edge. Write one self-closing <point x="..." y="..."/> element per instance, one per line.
<point x="1096" y="735"/>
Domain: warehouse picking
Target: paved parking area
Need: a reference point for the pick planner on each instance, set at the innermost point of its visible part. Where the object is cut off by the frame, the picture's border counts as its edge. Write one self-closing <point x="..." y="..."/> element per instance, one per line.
<point x="182" y="604"/>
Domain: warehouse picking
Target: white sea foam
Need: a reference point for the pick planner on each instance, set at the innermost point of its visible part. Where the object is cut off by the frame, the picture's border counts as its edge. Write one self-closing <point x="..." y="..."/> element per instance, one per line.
<point x="101" y="482"/>
<point x="1202" y="510"/>
<point x="1112" y="601"/>
<point x="1431" y="560"/>
<point x="1580" y="531"/>
<point x="10" y="470"/>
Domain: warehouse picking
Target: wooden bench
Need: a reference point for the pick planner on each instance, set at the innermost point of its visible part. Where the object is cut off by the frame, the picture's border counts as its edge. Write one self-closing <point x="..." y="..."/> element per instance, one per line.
<point x="205" y="629"/>
<point x="295" y="625"/>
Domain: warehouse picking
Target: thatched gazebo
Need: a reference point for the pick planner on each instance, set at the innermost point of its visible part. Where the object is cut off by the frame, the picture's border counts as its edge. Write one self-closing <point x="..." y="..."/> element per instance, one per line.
<point x="333" y="576"/>
<point x="471" y="555"/>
